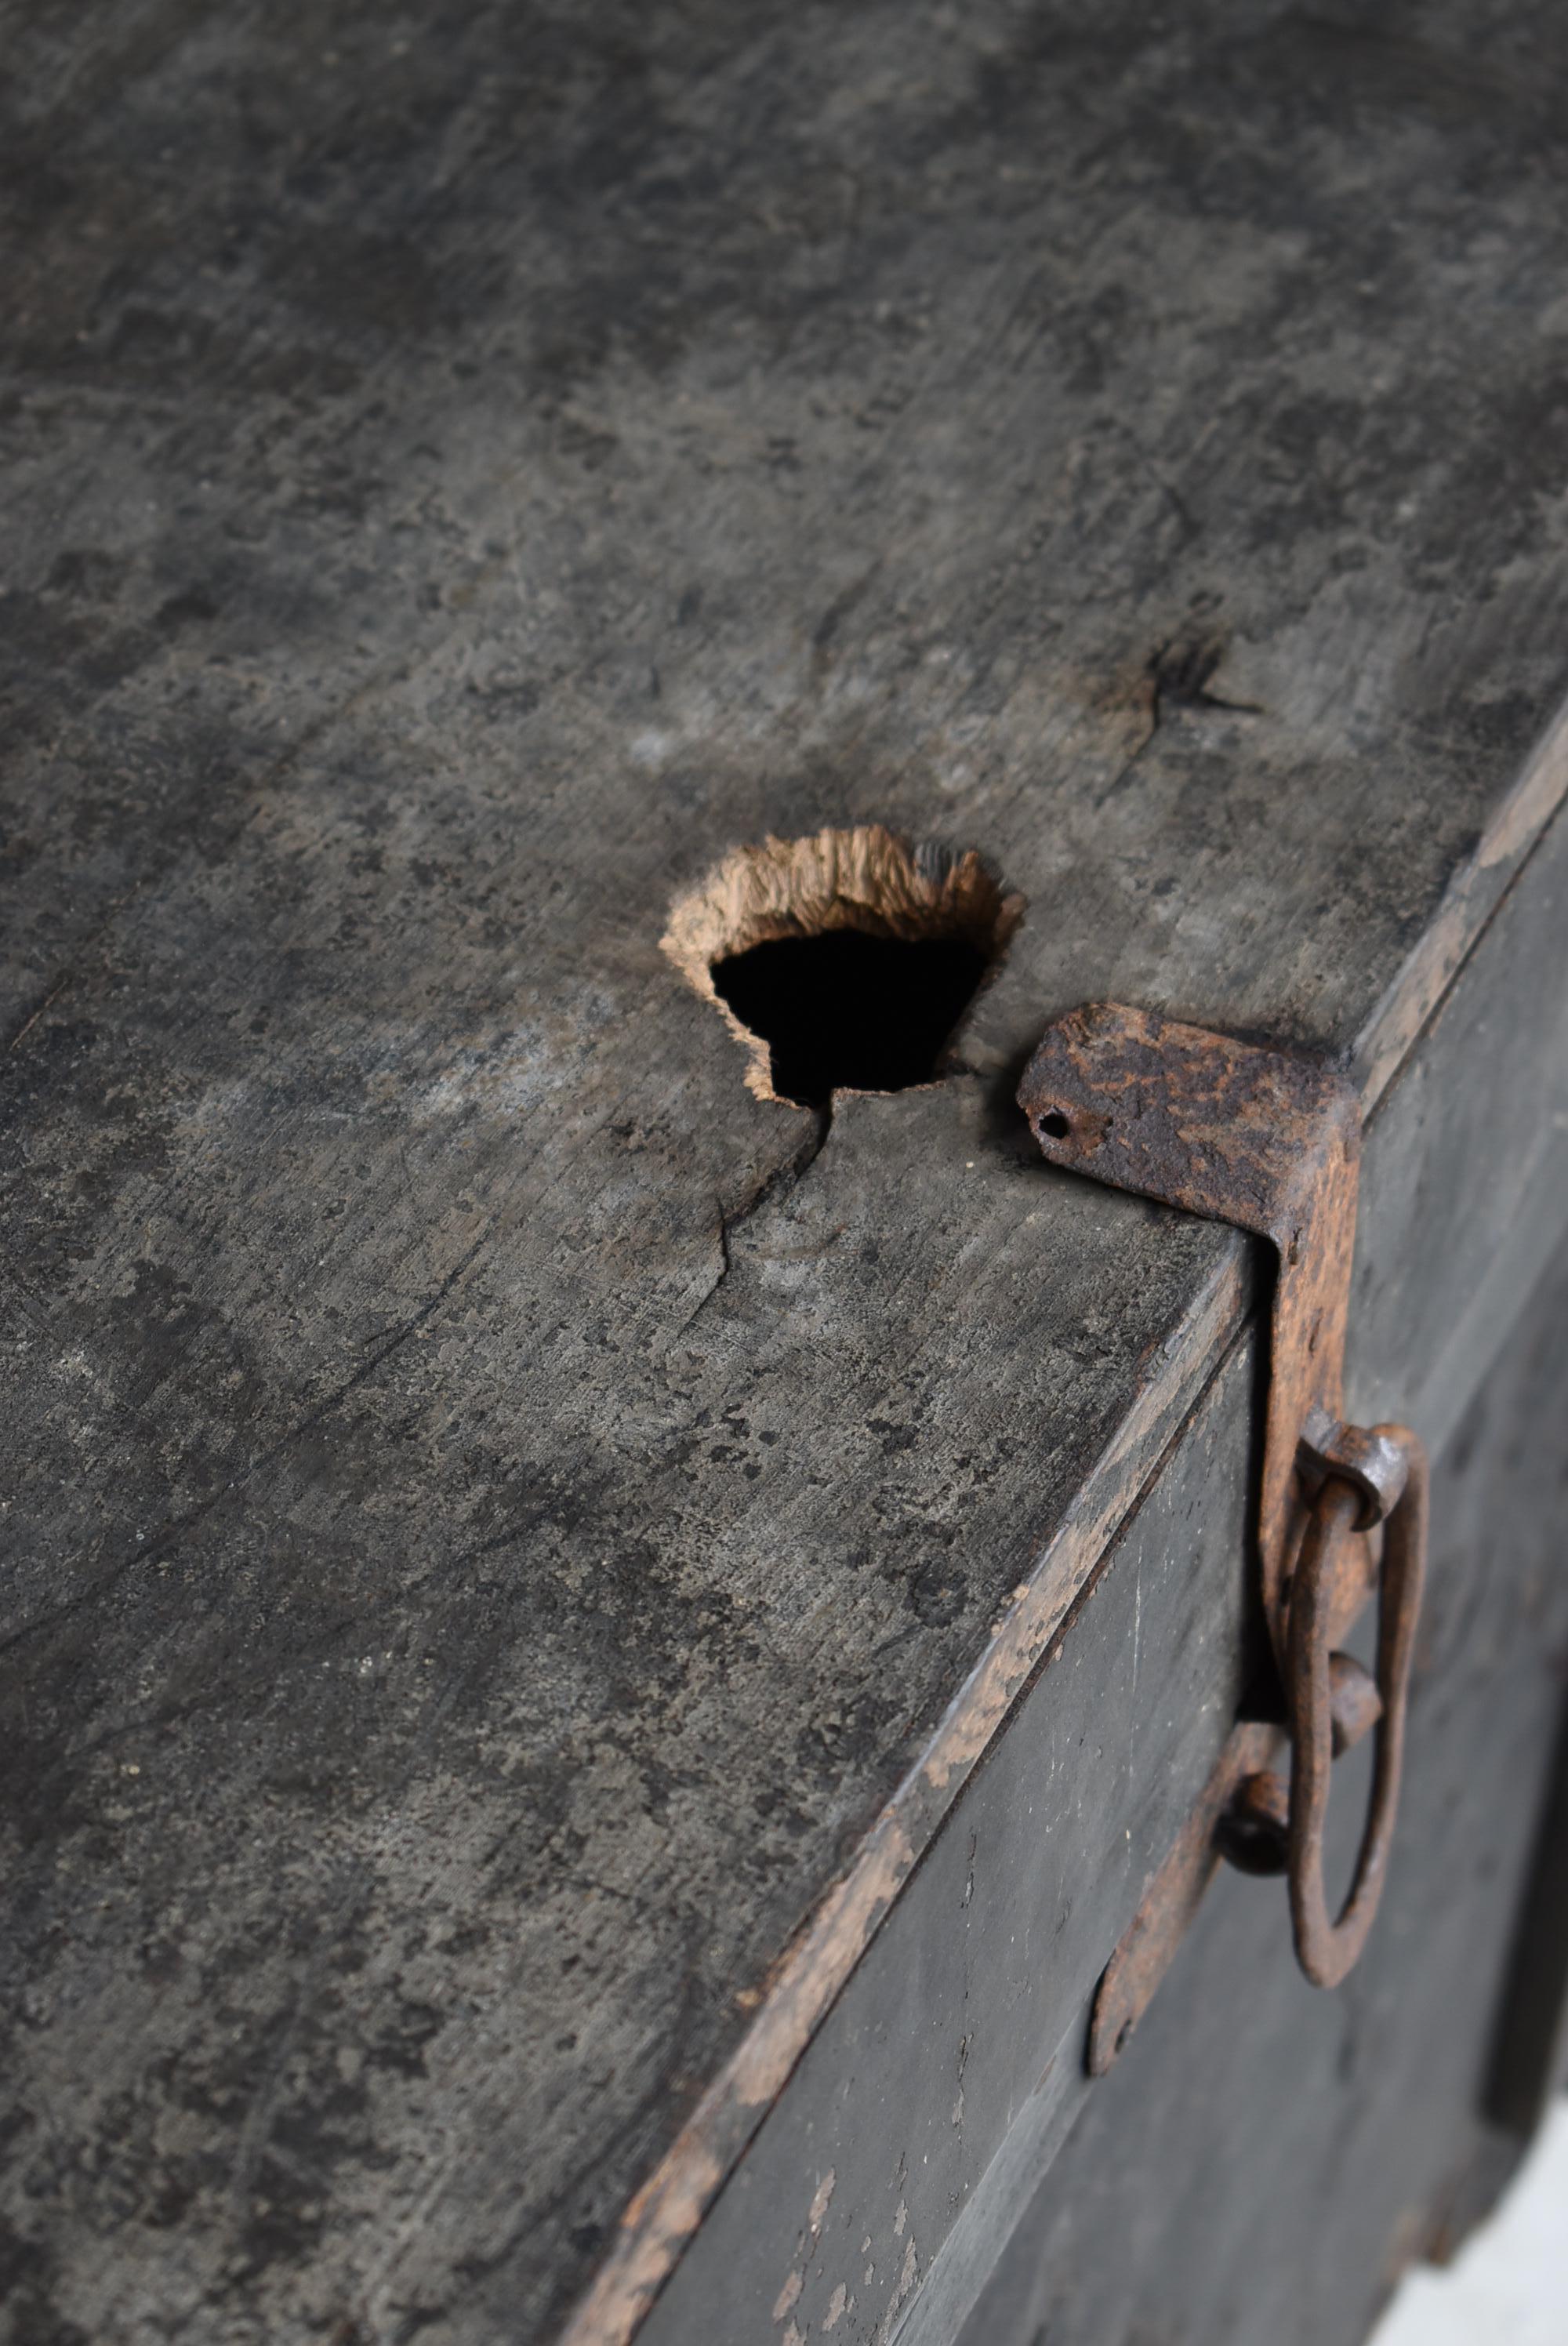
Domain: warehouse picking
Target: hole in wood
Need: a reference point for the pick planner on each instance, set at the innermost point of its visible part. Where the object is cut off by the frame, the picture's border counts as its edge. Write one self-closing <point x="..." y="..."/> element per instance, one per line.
<point x="848" y="1012"/>
<point x="844" y="960"/>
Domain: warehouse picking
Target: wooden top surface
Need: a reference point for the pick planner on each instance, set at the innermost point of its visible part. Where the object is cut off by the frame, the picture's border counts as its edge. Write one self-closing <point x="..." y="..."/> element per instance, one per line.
<point x="497" y="1510"/>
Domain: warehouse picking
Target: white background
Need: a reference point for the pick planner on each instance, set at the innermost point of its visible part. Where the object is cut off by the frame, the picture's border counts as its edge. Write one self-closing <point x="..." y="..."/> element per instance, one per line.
<point x="1509" y="2284"/>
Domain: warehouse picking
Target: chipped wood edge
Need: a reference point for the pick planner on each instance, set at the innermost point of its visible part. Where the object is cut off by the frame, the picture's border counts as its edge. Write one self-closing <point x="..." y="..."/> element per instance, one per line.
<point x="661" y="2220"/>
<point x="1471" y="897"/>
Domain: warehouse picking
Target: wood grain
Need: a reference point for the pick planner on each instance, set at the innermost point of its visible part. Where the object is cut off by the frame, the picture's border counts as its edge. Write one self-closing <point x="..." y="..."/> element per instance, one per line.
<point x="497" y="1511"/>
<point x="1351" y="2129"/>
<point x="1036" y="1869"/>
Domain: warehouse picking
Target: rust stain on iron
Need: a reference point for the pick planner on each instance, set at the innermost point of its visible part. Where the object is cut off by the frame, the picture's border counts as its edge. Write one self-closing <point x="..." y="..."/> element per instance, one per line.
<point x="1270" y="1142"/>
<point x="1263" y="1139"/>
<point x="1171" y="1898"/>
<point x="1327" y="1948"/>
<point x="657" y="2225"/>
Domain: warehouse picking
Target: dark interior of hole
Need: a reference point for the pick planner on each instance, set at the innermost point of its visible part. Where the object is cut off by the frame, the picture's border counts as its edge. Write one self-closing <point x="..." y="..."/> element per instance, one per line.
<point x="845" y="1011"/>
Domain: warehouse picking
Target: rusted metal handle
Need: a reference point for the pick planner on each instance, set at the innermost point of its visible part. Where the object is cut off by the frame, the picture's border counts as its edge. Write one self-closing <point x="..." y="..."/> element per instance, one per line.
<point x="1327" y="1949"/>
<point x="1249" y="1812"/>
<point x="1269" y="1141"/>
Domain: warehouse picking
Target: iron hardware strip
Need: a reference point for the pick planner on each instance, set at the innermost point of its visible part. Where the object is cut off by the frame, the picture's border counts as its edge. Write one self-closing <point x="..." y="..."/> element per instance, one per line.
<point x="1269" y="1142"/>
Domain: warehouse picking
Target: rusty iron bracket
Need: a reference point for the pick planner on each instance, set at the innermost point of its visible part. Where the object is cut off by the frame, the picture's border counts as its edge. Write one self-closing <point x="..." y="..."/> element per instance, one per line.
<point x="1270" y="1142"/>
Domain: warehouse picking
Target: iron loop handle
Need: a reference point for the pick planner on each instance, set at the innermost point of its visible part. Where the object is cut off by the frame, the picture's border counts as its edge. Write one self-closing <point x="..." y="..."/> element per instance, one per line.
<point x="1328" y="1949"/>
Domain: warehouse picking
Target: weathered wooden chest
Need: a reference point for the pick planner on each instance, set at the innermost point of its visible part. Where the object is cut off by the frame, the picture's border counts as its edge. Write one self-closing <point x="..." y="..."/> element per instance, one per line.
<point x="617" y="1592"/>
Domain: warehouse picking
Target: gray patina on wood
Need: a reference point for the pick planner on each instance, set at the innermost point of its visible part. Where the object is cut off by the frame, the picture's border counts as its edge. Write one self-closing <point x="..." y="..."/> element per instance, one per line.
<point x="1273" y="2157"/>
<point x="950" y="2070"/>
<point x="497" y="1509"/>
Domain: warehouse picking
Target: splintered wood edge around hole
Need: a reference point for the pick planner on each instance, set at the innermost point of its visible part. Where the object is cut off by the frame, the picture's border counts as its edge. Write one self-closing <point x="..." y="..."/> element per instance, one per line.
<point x="866" y="878"/>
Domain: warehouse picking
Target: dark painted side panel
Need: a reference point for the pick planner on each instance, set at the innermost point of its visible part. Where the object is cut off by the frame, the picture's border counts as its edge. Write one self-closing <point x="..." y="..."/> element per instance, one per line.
<point x="1264" y="2158"/>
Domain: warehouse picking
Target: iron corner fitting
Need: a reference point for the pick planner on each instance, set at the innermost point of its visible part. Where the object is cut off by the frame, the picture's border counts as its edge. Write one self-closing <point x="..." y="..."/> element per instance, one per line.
<point x="1270" y="1142"/>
